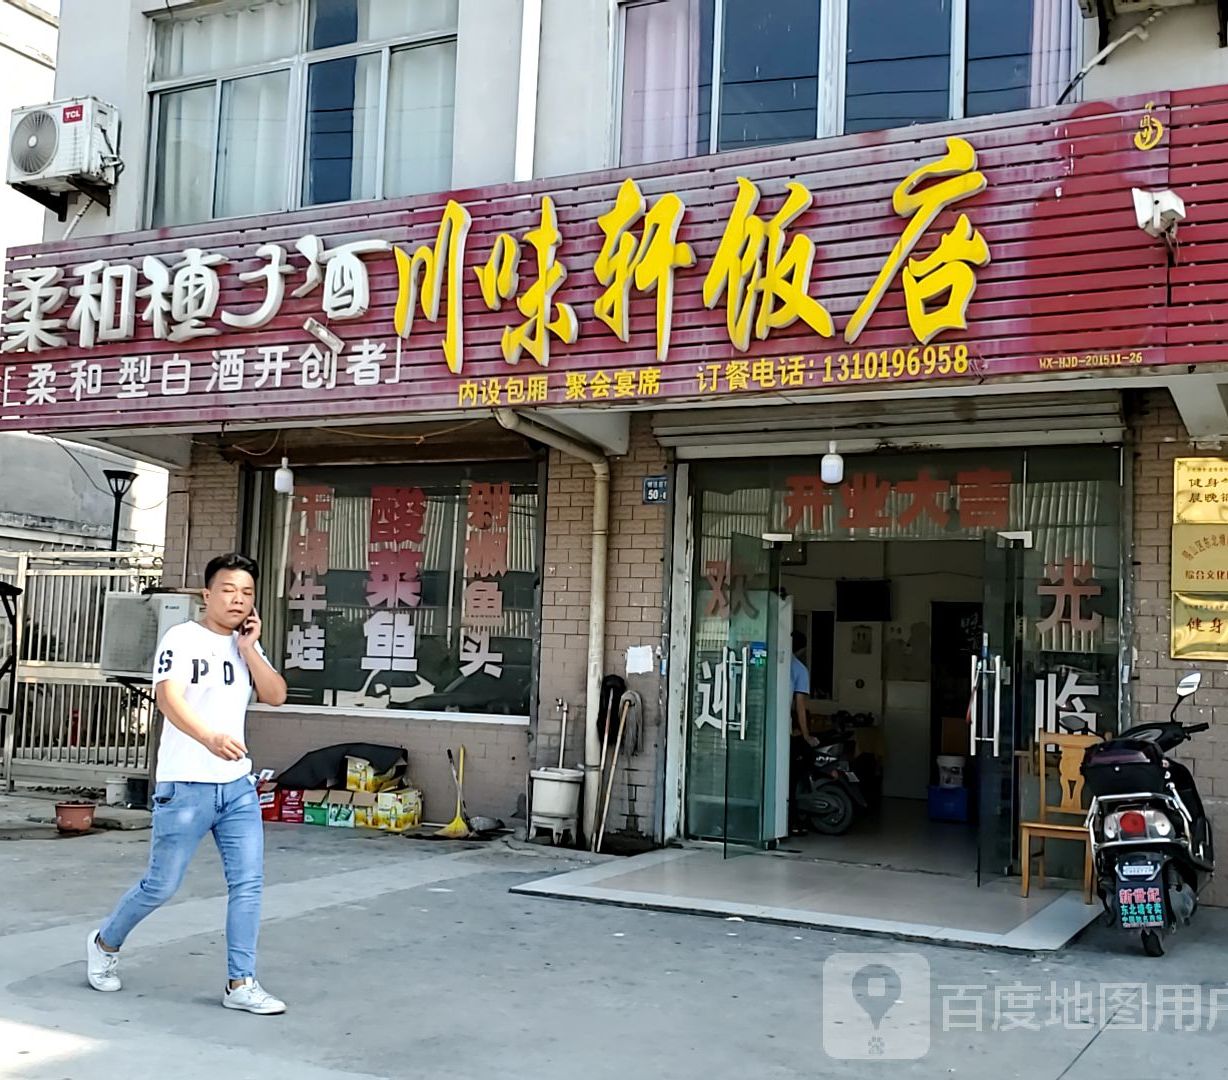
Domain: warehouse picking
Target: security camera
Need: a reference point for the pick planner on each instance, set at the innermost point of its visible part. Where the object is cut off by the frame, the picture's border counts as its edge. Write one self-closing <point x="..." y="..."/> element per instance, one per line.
<point x="1158" y="213"/>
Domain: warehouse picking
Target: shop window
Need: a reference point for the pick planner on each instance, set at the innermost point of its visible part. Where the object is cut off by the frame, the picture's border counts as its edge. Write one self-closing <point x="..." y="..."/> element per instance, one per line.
<point x="405" y="588"/>
<point x="899" y="63"/>
<point x="370" y="91"/>
<point x="887" y="63"/>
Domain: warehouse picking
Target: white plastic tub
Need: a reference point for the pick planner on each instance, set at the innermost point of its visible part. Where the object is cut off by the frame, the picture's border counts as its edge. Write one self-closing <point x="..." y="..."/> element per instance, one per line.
<point x="556" y="792"/>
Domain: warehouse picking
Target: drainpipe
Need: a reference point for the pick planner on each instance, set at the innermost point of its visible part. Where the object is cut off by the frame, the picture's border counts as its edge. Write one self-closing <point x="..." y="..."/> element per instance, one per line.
<point x="597" y="592"/>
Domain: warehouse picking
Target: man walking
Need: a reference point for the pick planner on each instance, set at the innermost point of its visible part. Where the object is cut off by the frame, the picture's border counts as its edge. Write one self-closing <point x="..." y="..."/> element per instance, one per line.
<point x="203" y="676"/>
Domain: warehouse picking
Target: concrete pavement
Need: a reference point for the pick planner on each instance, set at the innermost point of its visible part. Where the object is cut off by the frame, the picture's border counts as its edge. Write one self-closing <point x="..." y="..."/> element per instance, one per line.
<point x="403" y="959"/>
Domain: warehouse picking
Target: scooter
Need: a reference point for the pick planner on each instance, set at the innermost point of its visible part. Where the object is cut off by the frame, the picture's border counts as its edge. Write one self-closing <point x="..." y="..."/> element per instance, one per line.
<point x="829" y="792"/>
<point x="1151" y="840"/>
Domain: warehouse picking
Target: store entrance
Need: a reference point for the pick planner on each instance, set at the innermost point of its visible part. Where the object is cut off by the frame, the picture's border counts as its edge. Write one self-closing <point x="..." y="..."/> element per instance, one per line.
<point x="886" y="634"/>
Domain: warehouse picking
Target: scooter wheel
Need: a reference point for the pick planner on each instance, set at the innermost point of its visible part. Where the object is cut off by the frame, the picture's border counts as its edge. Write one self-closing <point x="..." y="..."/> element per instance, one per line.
<point x="1153" y="944"/>
<point x="838" y="817"/>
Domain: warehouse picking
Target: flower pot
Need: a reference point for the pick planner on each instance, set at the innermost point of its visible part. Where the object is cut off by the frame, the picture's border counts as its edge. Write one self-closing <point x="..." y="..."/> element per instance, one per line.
<point x="73" y="818"/>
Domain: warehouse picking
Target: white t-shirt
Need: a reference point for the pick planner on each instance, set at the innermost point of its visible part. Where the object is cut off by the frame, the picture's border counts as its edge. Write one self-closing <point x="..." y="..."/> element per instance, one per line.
<point x="218" y="687"/>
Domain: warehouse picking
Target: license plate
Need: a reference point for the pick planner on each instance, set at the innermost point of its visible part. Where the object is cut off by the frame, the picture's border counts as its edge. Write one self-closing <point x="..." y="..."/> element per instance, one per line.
<point x="1140" y="906"/>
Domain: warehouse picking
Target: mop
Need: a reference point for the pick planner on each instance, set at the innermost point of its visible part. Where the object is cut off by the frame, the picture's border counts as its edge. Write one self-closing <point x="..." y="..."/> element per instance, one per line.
<point x="458" y="828"/>
<point x="630" y="735"/>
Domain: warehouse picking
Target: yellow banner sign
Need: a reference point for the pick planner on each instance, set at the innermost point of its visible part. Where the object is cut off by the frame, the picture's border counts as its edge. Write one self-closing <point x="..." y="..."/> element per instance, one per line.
<point x="1200" y="627"/>
<point x="1200" y="559"/>
<point x="1200" y="490"/>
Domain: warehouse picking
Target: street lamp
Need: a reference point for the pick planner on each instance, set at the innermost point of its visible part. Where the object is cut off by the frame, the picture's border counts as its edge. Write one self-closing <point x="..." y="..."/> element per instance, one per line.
<point x="120" y="482"/>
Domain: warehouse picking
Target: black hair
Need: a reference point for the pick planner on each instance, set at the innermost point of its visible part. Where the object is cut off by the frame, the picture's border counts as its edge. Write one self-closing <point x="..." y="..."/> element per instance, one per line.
<point x="799" y="641"/>
<point x="232" y="560"/>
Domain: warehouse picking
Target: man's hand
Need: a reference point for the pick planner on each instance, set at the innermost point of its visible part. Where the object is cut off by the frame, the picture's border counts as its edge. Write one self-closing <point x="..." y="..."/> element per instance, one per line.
<point x="249" y="633"/>
<point x="811" y="741"/>
<point x="225" y="746"/>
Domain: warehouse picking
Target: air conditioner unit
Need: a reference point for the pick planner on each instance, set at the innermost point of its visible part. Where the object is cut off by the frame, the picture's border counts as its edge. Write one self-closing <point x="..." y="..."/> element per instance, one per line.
<point x="132" y="626"/>
<point x="64" y="146"/>
<point x="1132" y="7"/>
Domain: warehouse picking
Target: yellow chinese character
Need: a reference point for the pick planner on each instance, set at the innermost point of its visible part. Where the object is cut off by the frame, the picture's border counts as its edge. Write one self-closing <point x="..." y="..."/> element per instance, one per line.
<point x="499" y="280"/>
<point x="650" y="382"/>
<point x="766" y="284"/>
<point x="763" y="372"/>
<point x="792" y="371"/>
<point x="467" y="393"/>
<point x="737" y="374"/>
<point x="577" y="386"/>
<point x="947" y="269"/>
<point x="539" y="388"/>
<point x="434" y="266"/>
<point x="599" y="384"/>
<point x="490" y="392"/>
<point x="649" y="264"/>
<point x="624" y="383"/>
<point x="515" y="391"/>
<point x="709" y="377"/>
<point x="500" y="277"/>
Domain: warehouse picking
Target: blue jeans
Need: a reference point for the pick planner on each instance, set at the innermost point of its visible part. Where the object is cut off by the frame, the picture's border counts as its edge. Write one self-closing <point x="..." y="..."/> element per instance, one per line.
<point x="182" y="814"/>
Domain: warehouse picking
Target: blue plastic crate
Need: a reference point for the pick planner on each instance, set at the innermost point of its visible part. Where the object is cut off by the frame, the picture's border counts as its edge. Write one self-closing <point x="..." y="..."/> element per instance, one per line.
<point x="948" y="804"/>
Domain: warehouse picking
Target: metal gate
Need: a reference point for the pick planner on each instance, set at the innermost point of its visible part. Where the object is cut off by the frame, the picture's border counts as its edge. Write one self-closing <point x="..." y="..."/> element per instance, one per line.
<point x="71" y="726"/>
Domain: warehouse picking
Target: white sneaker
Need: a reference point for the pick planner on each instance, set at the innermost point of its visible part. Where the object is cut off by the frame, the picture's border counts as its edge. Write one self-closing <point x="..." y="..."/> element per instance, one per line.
<point x="101" y="967"/>
<point x="253" y="998"/>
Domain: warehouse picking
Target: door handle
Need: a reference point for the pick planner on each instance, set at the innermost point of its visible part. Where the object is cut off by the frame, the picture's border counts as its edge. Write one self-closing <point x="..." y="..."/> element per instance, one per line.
<point x="997" y="702"/>
<point x="745" y="686"/>
<point x="973" y="706"/>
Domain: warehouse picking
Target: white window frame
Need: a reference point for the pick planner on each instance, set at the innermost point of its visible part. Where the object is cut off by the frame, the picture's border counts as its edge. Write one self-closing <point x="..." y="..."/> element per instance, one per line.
<point x="298" y="65"/>
<point x="832" y="69"/>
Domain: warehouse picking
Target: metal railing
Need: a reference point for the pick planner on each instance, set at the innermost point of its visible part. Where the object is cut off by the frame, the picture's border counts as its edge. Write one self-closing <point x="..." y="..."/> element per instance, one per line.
<point x="71" y="726"/>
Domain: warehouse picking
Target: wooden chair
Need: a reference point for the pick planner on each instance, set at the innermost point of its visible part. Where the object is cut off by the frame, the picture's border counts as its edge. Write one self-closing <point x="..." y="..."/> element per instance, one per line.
<point x="1049" y="826"/>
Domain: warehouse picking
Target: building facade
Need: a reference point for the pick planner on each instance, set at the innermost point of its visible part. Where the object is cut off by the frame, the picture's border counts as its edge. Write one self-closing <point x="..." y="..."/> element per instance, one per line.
<point x="52" y="495"/>
<point x="553" y="310"/>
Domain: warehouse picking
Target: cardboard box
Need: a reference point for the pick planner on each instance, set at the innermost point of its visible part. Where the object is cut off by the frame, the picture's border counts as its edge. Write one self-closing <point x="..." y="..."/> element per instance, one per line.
<point x="292" y="806"/>
<point x="270" y="800"/>
<point x="364" y="809"/>
<point x="341" y="809"/>
<point x="400" y="810"/>
<point x="359" y="776"/>
<point x="315" y="806"/>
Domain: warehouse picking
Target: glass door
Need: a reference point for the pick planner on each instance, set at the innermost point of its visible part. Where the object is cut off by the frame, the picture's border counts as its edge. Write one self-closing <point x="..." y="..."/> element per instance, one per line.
<point x="998" y="728"/>
<point x="754" y="734"/>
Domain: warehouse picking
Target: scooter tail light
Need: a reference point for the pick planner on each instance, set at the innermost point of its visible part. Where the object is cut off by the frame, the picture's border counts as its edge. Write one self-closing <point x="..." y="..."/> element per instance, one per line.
<point x="1133" y="824"/>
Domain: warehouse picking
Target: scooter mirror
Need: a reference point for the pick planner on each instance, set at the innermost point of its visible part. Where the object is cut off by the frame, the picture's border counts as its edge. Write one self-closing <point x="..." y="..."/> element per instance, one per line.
<point x="1189" y="684"/>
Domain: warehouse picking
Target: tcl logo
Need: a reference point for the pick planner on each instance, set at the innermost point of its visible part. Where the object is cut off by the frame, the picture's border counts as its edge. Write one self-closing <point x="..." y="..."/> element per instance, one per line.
<point x="74" y="114"/>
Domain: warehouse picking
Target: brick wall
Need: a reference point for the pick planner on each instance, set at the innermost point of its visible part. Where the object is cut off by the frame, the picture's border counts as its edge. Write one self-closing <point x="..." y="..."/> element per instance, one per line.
<point x="1159" y="438"/>
<point x="496" y="755"/>
<point x="202" y="509"/>
<point x="635" y="615"/>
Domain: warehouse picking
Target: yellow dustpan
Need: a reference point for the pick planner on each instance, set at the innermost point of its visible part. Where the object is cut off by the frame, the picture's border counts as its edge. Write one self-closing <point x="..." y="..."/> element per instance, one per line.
<point x="458" y="828"/>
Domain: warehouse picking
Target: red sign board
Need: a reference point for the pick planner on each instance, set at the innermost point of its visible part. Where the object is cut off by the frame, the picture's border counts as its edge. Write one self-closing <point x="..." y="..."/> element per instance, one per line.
<point x="1000" y="246"/>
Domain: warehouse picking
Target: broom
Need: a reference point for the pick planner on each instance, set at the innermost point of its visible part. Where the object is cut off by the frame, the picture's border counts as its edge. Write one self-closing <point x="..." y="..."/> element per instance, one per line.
<point x="458" y="828"/>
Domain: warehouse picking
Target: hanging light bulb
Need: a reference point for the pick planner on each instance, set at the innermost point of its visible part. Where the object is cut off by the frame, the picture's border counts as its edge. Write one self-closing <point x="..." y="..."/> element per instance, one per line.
<point x="283" y="479"/>
<point x="831" y="468"/>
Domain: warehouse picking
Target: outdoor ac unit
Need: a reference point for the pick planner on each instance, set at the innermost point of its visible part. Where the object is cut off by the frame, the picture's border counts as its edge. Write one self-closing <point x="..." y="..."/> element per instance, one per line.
<point x="132" y="626"/>
<point x="1132" y="7"/>
<point x="51" y="146"/>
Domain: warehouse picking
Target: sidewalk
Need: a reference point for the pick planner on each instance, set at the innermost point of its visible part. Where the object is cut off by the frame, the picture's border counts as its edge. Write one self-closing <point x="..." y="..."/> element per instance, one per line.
<point x="31" y="815"/>
<point x="402" y="958"/>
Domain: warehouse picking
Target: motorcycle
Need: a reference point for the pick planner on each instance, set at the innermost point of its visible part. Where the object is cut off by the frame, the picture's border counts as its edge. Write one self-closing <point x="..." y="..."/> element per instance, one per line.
<point x="1151" y="840"/>
<point x="829" y="792"/>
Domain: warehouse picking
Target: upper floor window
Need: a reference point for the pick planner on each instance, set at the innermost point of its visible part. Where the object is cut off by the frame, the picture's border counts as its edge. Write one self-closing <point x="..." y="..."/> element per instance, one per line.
<point x="265" y="106"/>
<point x="699" y="76"/>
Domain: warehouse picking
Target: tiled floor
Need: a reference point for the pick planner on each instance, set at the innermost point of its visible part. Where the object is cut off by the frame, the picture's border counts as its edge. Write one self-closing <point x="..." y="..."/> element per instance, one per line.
<point x="831" y="895"/>
<point x="900" y="837"/>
